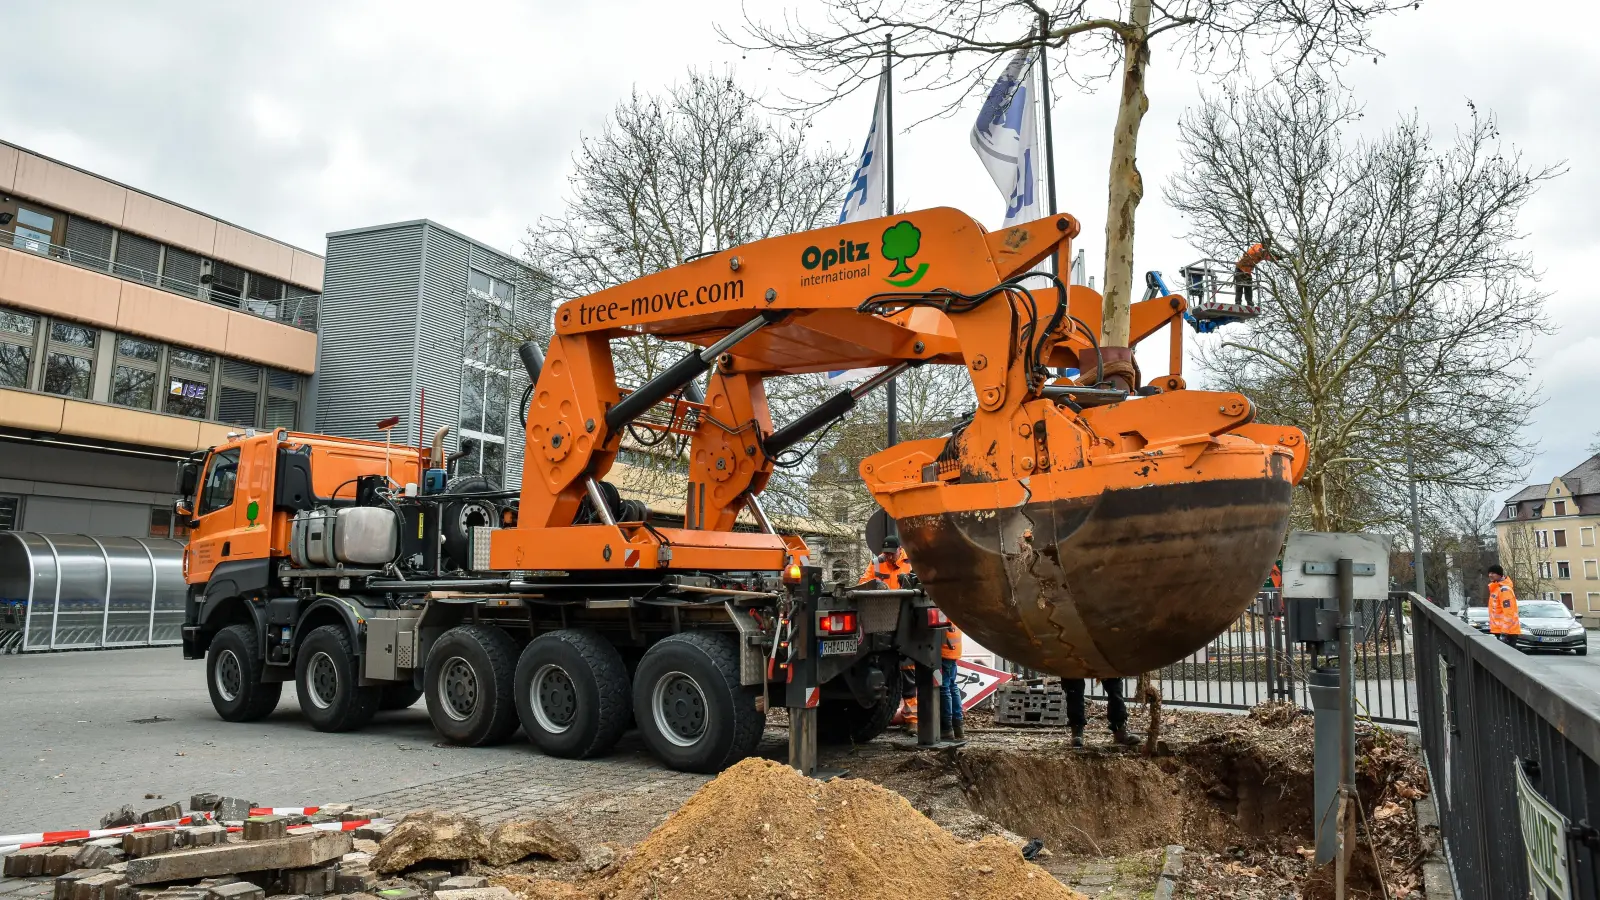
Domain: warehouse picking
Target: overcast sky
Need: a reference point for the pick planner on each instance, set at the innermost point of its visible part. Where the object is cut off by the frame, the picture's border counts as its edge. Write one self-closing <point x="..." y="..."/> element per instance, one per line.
<point x="297" y="118"/>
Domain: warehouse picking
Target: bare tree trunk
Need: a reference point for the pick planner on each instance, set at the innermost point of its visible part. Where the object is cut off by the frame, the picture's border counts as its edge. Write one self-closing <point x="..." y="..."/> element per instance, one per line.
<point x="1127" y="187"/>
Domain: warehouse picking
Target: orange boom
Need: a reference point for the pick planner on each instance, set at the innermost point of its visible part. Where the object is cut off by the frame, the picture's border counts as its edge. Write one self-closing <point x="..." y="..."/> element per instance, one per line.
<point x="1073" y="529"/>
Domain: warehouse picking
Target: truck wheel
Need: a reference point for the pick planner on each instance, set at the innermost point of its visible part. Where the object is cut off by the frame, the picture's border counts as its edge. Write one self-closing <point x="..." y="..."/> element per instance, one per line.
<point x="399" y="696"/>
<point x="469" y="685"/>
<point x="328" y="682"/>
<point x="572" y="693"/>
<point x="841" y="720"/>
<point x="233" y="677"/>
<point x="689" y="705"/>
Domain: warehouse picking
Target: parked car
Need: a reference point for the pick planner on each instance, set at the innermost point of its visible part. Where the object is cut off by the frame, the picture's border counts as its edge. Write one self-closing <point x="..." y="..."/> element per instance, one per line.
<point x="1477" y="617"/>
<point x="1548" y="625"/>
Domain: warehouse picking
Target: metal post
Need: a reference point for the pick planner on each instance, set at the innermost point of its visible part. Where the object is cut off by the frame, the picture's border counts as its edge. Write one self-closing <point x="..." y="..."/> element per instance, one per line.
<point x="1418" y="566"/>
<point x="803" y="740"/>
<point x="928" y="710"/>
<point x="803" y="691"/>
<point x="1347" y="724"/>
<point x="1049" y="133"/>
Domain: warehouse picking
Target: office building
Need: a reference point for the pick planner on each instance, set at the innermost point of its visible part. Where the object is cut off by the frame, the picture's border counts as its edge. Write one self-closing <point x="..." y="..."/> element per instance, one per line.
<point x="422" y="322"/>
<point x="133" y="332"/>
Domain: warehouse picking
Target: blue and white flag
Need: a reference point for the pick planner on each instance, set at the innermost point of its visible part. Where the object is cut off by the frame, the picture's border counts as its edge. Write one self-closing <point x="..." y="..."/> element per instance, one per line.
<point x="1006" y="137"/>
<point x="870" y="182"/>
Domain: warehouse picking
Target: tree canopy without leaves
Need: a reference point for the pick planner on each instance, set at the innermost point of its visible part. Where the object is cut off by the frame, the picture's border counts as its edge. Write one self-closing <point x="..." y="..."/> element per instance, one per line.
<point x="671" y="176"/>
<point x="955" y="46"/>
<point x="1399" y="312"/>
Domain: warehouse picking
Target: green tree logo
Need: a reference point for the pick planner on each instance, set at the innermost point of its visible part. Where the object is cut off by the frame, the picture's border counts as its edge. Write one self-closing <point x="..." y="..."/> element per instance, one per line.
<point x="901" y="241"/>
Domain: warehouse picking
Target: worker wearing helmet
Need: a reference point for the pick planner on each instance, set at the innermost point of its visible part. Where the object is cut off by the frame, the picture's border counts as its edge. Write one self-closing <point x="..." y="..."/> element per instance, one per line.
<point x="890" y="564"/>
<point x="950" y="726"/>
<point x="1503" y="620"/>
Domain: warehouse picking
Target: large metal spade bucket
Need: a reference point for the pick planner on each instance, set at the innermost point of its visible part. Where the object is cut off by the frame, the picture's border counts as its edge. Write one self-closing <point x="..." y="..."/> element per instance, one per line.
<point x="1115" y="584"/>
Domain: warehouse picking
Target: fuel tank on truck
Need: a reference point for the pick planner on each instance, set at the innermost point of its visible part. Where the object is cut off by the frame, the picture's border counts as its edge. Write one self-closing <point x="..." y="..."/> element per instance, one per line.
<point x="1122" y="565"/>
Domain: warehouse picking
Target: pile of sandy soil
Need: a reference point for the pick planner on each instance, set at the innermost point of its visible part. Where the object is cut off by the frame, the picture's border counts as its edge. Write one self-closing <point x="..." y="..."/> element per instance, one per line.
<point x="761" y="831"/>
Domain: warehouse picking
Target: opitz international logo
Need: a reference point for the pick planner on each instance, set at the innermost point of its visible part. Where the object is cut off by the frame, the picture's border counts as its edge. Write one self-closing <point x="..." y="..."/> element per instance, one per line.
<point x="901" y="241"/>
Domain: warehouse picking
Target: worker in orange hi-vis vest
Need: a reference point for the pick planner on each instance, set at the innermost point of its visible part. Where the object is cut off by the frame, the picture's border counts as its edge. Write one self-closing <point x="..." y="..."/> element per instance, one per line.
<point x="1244" y="271"/>
<point x="890" y="564"/>
<point x="950" y="724"/>
<point x="1503" y="620"/>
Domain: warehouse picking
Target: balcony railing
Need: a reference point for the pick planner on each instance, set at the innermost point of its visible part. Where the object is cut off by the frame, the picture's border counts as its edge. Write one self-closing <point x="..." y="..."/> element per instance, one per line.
<point x="299" y="311"/>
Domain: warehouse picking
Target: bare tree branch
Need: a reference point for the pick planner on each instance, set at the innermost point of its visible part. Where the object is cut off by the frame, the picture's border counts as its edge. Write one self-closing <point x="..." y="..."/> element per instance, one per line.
<point x="1399" y="315"/>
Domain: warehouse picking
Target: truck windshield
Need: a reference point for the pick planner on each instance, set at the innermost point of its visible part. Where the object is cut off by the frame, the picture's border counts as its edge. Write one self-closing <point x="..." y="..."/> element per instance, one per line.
<point x="217" y="493"/>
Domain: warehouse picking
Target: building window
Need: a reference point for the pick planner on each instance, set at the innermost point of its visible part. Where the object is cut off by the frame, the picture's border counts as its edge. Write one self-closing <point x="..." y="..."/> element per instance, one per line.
<point x="1563" y="570"/>
<point x="488" y="286"/>
<point x="1586" y="536"/>
<point x="88" y="243"/>
<point x="138" y="259"/>
<point x="1561" y="507"/>
<point x="10" y="512"/>
<point x="1566" y="600"/>
<point x="34" y="231"/>
<point x="227" y="284"/>
<point x="1561" y="536"/>
<point x="133" y="383"/>
<point x="69" y="362"/>
<point x="1541" y="538"/>
<point x="283" y="399"/>
<point x="265" y="296"/>
<point x="1544" y="570"/>
<point x="181" y="272"/>
<point x="239" y="396"/>
<point x="188" y="383"/>
<point x="18" y="333"/>
<point x="1594" y="602"/>
<point x="1591" y="569"/>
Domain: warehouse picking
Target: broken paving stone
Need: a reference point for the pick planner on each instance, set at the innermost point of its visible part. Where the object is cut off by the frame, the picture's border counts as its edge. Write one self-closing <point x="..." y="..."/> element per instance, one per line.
<point x="105" y="886"/>
<point x="463" y="883"/>
<point x="354" y="879"/>
<point x="265" y="828"/>
<point x="59" y="861"/>
<point x="484" y="893"/>
<point x="518" y="840"/>
<point x="95" y="855"/>
<point x="233" y="809"/>
<point x="294" y="852"/>
<point x="375" y="831"/>
<point x="164" y="813"/>
<point x="144" y="843"/>
<point x="427" y="878"/>
<point x="359" y="815"/>
<point x="398" y="894"/>
<point x="366" y="846"/>
<point x="27" y="863"/>
<point x="207" y="835"/>
<point x="238" y="890"/>
<point x="204" y="802"/>
<point x="334" y="809"/>
<point x="313" y="882"/>
<point x="62" y="888"/>
<point x="117" y="818"/>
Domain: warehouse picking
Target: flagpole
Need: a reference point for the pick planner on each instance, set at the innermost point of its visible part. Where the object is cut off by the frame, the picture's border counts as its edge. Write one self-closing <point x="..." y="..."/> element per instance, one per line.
<point x="1049" y="133"/>
<point x="892" y="424"/>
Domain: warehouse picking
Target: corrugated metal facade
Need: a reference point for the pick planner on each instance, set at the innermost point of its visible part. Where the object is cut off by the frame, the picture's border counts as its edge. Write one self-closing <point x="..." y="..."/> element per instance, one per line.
<point x="394" y="324"/>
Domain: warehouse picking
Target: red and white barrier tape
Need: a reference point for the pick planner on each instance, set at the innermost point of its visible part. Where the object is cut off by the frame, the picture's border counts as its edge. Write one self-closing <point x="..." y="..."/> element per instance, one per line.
<point x="11" y="843"/>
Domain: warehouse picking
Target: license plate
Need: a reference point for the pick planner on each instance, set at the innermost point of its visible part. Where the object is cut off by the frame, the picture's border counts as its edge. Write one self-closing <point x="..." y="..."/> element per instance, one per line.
<point x="841" y="648"/>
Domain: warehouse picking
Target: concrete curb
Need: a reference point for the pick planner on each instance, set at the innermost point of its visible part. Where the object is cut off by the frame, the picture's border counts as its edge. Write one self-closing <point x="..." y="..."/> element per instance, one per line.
<point x="1436" y="881"/>
<point x="1171" y="871"/>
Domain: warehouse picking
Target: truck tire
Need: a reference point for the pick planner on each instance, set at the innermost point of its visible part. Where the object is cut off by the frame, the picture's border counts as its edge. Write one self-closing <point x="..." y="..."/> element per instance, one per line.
<point x="469" y="683"/>
<point x="841" y="720"/>
<point x="327" y="680"/>
<point x="690" y="708"/>
<point x="459" y="517"/>
<point x="233" y="676"/>
<point x="399" y="696"/>
<point x="572" y="693"/>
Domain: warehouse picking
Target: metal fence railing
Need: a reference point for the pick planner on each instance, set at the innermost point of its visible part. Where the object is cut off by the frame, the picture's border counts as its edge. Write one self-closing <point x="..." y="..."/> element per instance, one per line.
<point x="1253" y="663"/>
<point x="1513" y="747"/>
<point x="297" y="307"/>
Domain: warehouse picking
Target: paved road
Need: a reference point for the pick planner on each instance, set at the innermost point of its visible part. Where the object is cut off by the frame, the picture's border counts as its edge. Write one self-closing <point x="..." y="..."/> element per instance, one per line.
<point x="83" y="733"/>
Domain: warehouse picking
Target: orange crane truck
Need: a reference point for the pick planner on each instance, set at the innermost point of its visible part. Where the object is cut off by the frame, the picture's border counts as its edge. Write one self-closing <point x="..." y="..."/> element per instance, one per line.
<point x="1088" y="527"/>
